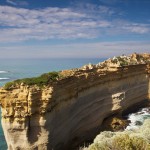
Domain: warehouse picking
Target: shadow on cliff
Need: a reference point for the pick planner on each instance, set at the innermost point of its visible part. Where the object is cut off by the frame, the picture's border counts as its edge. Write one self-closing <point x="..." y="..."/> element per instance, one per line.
<point x="79" y="108"/>
<point x="34" y="128"/>
<point x="34" y="131"/>
<point x="79" y="120"/>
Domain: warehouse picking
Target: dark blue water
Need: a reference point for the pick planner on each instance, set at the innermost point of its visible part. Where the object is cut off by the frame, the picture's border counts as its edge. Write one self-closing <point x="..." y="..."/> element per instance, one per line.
<point x="12" y="69"/>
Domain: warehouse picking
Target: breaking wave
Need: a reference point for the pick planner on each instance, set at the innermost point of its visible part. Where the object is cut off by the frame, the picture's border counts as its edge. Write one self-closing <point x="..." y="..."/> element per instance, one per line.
<point x="3" y="71"/>
<point x="4" y="78"/>
<point x="137" y="119"/>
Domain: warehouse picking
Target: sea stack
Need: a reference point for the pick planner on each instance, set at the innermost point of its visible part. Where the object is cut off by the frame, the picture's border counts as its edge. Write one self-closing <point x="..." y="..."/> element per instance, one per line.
<point x="69" y="107"/>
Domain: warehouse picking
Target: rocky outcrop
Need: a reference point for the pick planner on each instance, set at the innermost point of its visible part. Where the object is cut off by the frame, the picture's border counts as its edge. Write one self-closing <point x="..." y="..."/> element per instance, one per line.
<point x="71" y="109"/>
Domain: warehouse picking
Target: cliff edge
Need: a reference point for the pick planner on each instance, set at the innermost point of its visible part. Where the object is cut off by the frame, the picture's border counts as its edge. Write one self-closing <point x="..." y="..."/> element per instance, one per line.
<point x="61" y="109"/>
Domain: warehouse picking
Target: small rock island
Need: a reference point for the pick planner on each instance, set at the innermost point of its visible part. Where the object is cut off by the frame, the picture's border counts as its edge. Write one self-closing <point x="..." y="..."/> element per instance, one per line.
<point x="59" y="110"/>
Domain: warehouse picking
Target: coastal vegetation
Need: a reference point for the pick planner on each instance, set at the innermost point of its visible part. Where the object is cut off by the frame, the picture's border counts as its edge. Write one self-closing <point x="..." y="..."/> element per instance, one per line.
<point x="138" y="139"/>
<point x="122" y="60"/>
<point x="42" y="80"/>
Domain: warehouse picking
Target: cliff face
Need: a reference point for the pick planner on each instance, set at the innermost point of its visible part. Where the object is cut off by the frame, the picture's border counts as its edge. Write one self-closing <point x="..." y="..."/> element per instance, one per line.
<point x="72" y="109"/>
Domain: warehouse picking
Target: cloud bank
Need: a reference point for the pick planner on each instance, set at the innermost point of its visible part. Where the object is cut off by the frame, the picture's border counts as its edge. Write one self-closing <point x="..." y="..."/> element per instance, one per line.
<point x="20" y="24"/>
<point x="82" y="50"/>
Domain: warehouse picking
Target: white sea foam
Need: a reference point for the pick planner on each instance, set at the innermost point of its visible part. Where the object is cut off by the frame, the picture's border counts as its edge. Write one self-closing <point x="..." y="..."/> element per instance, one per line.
<point x="3" y="71"/>
<point x="138" y="118"/>
<point x="4" y="78"/>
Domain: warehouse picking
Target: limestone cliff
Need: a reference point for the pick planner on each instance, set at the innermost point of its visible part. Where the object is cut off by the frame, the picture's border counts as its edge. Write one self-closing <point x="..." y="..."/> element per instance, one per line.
<point x="71" y="109"/>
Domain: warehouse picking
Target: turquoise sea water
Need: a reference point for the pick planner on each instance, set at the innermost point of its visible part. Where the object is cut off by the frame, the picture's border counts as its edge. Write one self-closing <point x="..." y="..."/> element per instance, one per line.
<point x="12" y="69"/>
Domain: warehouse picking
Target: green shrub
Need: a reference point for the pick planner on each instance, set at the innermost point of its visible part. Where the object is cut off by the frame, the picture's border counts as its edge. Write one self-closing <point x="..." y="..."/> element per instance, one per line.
<point x="145" y="130"/>
<point x="44" y="79"/>
<point x="99" y="146"/>
<point x="122" y="61"/>
<point x="114" y="60"/>
<point x="129" y="142"/>
<point x="139" y="143"/>
<point x="126" y="140"/>
<point x="8" y="85"/>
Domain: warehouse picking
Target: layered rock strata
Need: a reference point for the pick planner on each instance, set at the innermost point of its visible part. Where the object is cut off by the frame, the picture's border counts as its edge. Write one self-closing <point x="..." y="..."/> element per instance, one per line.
<point x="71" y="110"/>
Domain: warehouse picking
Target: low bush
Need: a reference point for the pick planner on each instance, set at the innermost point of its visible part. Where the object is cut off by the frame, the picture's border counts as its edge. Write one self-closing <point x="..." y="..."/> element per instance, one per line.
<point x="129" y="142"/>
<point x="122" y="61"/>
<point x="126" y="140"/>
<point x="44" y="79"/>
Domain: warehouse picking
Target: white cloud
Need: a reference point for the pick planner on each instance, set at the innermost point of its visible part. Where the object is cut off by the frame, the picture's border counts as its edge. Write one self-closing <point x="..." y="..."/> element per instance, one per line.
<point x="20" y="24"/>
<point x="17" y="2"/>
<point x="138" y="29"/>
<point x="11" y="2"/>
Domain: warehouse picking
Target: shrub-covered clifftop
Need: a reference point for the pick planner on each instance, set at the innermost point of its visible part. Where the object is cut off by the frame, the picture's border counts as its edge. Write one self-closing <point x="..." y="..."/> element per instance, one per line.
<point x="44" y="79"/>
<point x="138" y="139"/>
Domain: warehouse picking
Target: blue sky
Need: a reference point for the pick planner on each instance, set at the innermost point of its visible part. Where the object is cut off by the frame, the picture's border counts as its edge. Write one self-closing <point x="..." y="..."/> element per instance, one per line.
<point x="73" y="28"/>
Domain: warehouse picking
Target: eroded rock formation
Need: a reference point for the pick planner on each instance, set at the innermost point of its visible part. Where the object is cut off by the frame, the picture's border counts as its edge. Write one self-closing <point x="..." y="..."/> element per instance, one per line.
<point x="71" y="110"/>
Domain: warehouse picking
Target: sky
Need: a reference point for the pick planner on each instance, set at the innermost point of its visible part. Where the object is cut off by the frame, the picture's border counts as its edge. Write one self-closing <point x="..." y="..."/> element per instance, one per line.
<point x="73" y="28"/>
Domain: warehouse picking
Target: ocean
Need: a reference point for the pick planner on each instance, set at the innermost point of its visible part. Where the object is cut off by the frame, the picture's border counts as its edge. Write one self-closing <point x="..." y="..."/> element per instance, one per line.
<point x="136" y="119"/>
<point x="11" y="69"/>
